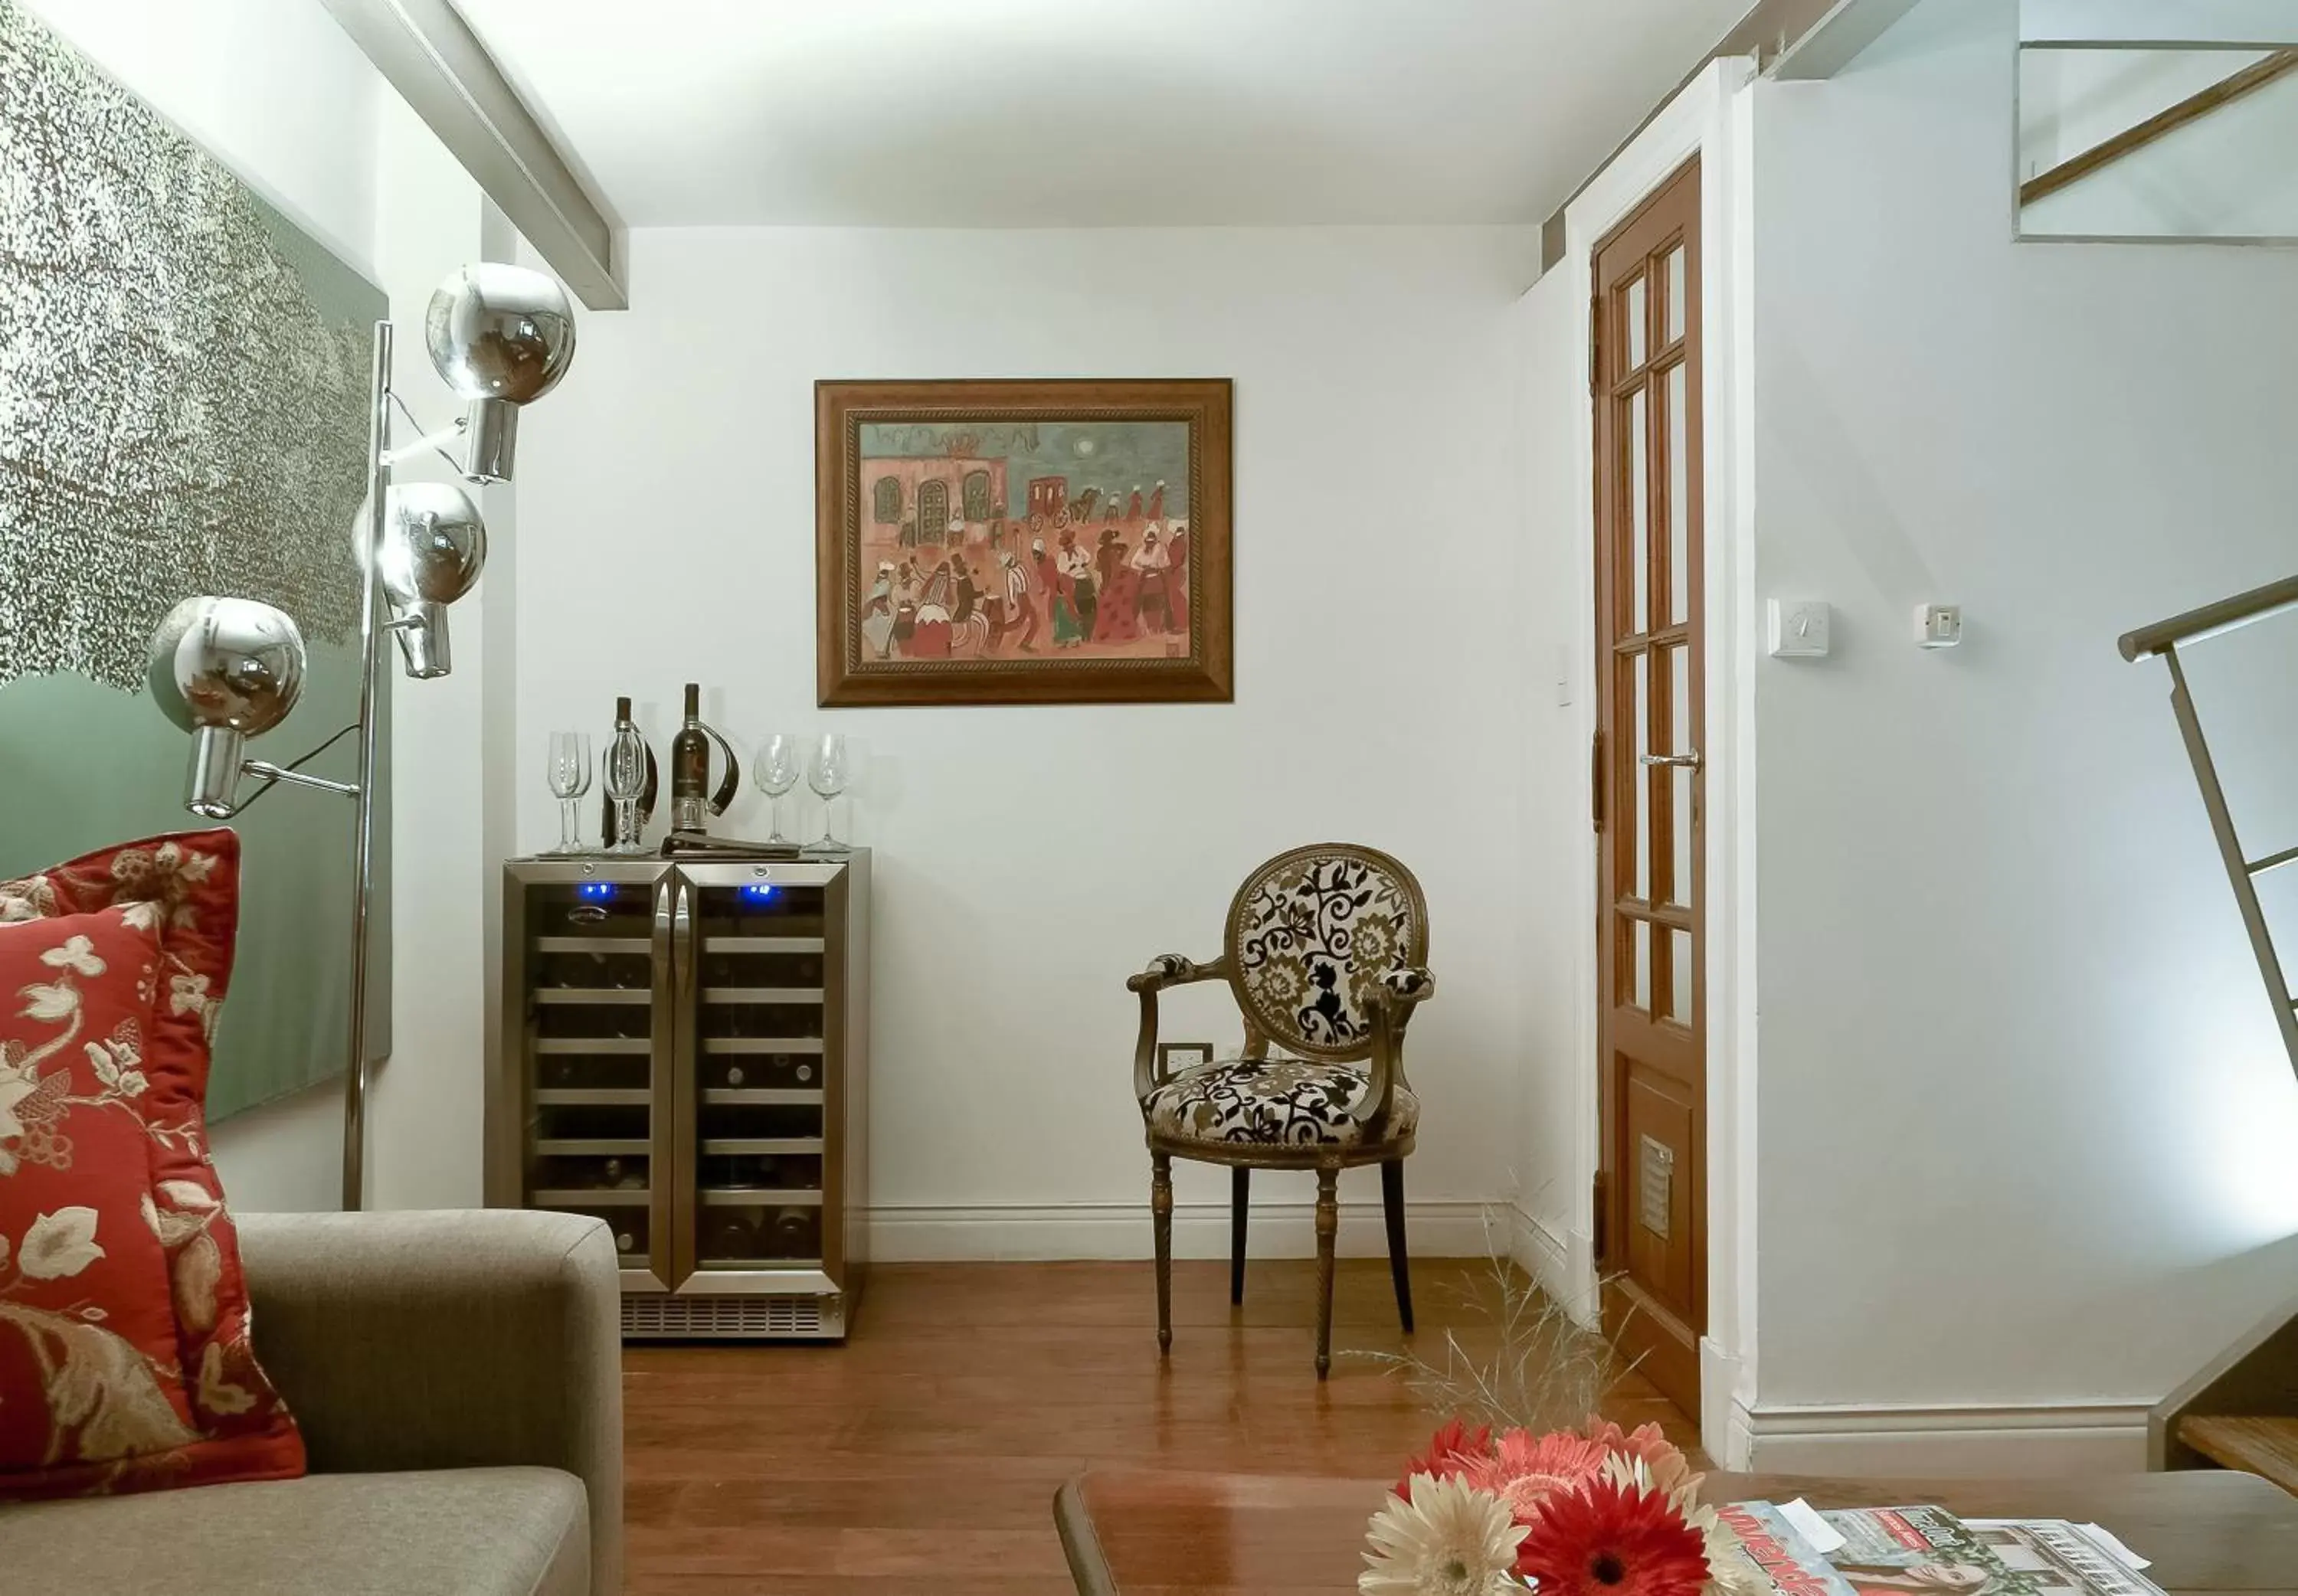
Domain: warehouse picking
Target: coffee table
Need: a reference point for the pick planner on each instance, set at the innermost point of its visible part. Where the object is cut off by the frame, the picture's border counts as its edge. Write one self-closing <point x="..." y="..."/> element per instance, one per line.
<point x="1136" y="1533"/>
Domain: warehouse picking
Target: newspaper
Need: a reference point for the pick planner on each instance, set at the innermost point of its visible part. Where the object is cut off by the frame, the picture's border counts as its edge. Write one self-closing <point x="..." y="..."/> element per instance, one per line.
<point x="2078" y="1562"/>
<point x="1929" y="1551"/>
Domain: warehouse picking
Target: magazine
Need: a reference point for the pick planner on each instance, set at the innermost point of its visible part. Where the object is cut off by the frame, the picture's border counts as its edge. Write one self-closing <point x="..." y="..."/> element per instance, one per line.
<point x="2063" y="1555"/>
<point x="1777" y="1551"/>
<point x="1929" y="1551"/>
<point x="1921" y="1551"/>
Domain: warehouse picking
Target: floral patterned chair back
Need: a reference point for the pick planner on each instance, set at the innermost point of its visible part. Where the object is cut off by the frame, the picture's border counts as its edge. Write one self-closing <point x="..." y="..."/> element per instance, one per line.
<point x="1311" y="933"/>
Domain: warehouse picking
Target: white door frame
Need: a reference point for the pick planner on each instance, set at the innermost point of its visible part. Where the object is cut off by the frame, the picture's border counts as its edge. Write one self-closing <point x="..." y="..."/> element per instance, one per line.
<point x="1711" y="118"/>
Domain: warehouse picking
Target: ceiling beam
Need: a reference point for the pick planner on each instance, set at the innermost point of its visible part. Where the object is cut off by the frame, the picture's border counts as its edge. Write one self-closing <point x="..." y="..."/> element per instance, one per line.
<point x="1828" y="45"/>
<point x="2273" y="69"/>
<point x="1772" y="31"/>
<point x="430" y="55"/>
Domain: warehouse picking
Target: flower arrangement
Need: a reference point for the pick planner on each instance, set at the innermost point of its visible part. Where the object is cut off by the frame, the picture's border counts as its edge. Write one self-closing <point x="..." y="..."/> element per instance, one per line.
<point x="1595" y="1512"/>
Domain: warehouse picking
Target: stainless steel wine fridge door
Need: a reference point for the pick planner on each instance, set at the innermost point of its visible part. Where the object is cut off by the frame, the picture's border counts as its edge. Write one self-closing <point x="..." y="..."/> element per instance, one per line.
<point x="582" y="1115"/>
<point x="770" y="1067"/>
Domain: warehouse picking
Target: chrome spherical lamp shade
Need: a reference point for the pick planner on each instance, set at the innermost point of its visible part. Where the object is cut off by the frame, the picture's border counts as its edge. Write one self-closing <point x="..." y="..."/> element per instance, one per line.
<point x="224" y="670"/>
<point x="434" y="545"/>
<point x="501" y="336"/>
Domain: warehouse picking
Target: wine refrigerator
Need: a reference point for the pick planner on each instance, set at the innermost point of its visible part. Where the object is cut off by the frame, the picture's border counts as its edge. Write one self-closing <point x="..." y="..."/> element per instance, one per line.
<point x="684" y="1053"/>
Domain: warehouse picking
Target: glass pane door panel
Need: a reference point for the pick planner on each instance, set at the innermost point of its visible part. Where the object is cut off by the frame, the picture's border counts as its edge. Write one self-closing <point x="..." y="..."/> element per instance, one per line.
<point x="1639" y="446"/>
<point x="1675" y="311"/>
<point x="1679" y="497"/>
<point x="1679" y="808"/>
<point x="588" y="1141"/>
<point x="762" y="985"/>
<point x="1634" y="313"/>
<point x="1639" y="994"/>
<point x="1679" y="974"/>
<point x="1640" y="838"/>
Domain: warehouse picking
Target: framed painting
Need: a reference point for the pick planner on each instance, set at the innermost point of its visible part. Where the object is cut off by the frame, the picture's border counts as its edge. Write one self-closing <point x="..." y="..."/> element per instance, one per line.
<point x="1022" y="542"/>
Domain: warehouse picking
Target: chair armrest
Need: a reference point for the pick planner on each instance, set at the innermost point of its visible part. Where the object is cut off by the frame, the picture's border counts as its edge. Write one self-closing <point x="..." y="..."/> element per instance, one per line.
<point x="1407" y="987"/>
<point x="1401" y="991"/>
<point x="455" y="1338"/>
<point x="1165" y="970"/>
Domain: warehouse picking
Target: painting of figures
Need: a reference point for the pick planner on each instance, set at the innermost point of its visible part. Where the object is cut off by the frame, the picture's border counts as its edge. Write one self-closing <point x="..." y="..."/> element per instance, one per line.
<point x="1005" y="542"/>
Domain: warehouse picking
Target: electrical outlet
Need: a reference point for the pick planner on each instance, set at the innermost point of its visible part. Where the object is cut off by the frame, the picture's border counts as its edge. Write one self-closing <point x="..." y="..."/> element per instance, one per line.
<point x="1173" y="1057"/>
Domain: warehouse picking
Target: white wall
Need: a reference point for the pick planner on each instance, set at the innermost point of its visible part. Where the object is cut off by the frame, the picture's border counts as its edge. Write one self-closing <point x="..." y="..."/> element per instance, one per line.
<point x="424" y="1102"/>
<point x="1558" y="841"/>
<point x="2027" y="1126"/>
<point x="275" y="89"/>
<point x="1029" y="859"/>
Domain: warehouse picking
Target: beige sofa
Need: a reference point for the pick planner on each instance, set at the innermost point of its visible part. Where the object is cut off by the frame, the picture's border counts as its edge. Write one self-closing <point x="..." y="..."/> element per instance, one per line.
<point x="457" y="1376"/>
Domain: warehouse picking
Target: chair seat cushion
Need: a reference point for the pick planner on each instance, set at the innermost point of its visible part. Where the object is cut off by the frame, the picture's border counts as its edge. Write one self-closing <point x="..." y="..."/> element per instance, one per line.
<point x="488" y="1532"/>
<point x="1279" y="1101"/>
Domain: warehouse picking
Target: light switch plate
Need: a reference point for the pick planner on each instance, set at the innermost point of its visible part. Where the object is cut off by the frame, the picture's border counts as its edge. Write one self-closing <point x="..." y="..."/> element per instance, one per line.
<point x="1798" y="628"/>
<point x="1938" y="625"/>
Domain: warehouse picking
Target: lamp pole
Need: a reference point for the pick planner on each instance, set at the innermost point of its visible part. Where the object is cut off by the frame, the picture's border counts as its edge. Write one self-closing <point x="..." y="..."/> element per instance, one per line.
<point x="363" y="826"/>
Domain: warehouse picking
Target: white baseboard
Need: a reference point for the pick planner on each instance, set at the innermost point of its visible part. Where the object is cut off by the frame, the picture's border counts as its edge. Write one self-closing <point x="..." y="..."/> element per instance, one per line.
<point x="1947" y="1442"/>
<point x="1539" y="1252"/>
<point x="1120" y="1231"/>
<point x="1719" y="1379"/>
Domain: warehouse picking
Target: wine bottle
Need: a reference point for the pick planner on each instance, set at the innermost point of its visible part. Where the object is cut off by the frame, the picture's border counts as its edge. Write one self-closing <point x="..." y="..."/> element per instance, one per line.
<point x="610" y="833"/>
<point x="689" y="766"/>
<point x="796" y="1233"/>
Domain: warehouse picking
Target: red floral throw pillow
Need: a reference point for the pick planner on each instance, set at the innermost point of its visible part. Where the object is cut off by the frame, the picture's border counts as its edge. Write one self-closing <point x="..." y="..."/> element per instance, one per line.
<point x="125" y="1363"/>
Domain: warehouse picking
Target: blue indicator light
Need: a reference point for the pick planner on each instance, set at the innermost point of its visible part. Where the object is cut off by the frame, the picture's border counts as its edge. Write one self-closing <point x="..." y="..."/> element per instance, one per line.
<point x="757" y="892"/>
<point x="594" y="891"/>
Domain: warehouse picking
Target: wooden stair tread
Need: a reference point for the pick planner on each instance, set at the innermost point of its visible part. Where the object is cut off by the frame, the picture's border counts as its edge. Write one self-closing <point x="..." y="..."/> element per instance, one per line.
<point x="2265" y="1447"/>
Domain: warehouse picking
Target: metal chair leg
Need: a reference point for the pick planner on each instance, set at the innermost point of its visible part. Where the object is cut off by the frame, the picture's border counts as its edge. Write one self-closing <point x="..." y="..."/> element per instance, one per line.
<point x="1161" y="1214"/>
<point x="1240" y="1184"/>
<point x="1329" y="1226"/>
<point x="1399" y="1263"/>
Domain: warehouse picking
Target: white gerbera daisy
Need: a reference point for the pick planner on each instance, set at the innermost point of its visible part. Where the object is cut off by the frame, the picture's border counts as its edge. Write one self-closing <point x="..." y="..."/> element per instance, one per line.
<point x="1450" y="1540"/>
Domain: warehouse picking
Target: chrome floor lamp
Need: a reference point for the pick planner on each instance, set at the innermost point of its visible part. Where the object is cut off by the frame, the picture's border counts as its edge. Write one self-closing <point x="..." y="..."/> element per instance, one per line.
<point x="227" y="669"/>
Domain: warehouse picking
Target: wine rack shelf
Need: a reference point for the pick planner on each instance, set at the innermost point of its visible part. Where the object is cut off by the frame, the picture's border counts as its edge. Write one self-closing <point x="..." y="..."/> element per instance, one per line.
<point x="684" y="1053"/>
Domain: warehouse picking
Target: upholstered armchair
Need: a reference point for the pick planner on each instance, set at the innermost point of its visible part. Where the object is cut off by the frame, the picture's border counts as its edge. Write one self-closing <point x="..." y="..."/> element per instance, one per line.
<point x="1325" y="954"/>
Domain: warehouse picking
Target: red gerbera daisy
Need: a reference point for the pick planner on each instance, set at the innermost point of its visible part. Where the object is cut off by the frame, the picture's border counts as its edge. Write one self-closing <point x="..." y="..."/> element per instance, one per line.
<point x="1604" y="1539"/>
<point x="1450" y="1450"/>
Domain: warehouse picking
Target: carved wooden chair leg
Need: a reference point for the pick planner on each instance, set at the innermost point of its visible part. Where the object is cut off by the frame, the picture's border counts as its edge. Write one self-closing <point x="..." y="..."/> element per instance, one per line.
<point x="1240" y="1186"/>
<point x="1329" y="1226"/>
<point x="1399" y="1263"/>
<point x="1161" y="1214"/>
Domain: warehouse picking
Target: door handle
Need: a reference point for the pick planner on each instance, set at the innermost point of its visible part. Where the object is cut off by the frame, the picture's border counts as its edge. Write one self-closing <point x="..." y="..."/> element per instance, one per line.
<point x="1688" y="761"/>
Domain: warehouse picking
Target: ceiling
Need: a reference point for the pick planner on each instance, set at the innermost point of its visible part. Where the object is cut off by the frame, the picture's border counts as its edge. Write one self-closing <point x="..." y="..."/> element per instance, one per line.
<point x="1091" y="113"/>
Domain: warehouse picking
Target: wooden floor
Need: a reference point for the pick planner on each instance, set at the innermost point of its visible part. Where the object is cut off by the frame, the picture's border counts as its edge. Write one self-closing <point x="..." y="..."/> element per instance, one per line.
<point x="923" y="1454"/>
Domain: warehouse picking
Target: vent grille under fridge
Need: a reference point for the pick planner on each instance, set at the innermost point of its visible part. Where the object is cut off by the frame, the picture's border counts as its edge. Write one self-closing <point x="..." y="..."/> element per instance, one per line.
<point x="794" y="1318"/>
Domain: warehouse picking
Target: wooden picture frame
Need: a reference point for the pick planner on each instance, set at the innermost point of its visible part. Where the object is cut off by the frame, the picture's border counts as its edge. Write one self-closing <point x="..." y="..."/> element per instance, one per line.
<point x="1001" y="550"/>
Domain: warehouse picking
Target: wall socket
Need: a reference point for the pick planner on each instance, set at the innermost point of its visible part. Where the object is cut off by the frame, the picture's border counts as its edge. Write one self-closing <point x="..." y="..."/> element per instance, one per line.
<point x="1173" y="1057"/>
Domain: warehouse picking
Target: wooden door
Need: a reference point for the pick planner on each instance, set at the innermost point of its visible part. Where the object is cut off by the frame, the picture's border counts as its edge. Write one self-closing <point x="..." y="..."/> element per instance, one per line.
<point x="1651" y="1207"/>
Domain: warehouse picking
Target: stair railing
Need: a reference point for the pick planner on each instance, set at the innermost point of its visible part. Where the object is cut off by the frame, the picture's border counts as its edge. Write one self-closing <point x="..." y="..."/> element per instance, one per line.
<point x="2164" y="638"/>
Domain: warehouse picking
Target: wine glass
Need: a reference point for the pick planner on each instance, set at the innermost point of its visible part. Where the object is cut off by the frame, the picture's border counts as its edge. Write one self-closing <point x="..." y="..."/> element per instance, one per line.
<point x="569" y="773"/>
<point x="775" y="769"/>
<point x="625" y="772"/>
<point x="828" y="776"/>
